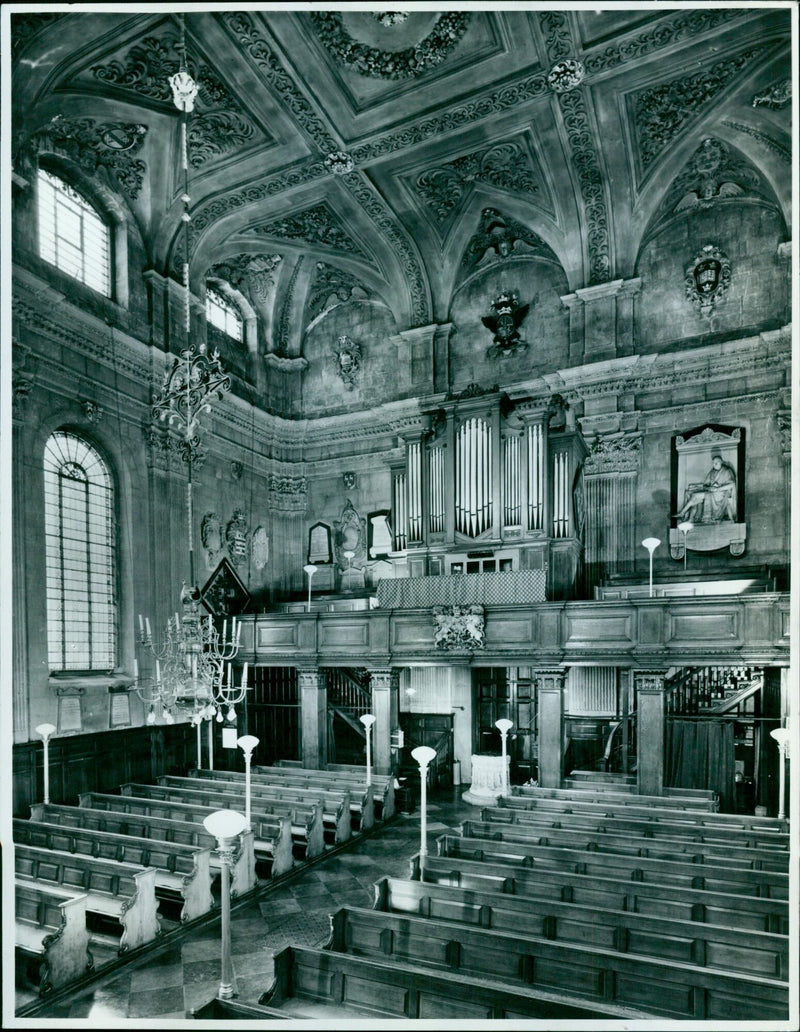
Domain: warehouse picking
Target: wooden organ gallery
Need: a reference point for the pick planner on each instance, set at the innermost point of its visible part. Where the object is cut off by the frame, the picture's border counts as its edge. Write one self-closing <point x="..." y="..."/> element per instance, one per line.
<point x="400" y="428"/>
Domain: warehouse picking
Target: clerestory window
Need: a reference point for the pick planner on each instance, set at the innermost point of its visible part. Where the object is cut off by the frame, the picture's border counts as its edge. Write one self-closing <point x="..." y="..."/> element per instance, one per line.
<point x="223" y="314"/>
<point x="72" y="235"/>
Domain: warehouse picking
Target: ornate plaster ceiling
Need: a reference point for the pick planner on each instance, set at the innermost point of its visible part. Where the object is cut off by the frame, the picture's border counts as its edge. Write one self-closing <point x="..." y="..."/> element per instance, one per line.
<point x="372" y="145"/>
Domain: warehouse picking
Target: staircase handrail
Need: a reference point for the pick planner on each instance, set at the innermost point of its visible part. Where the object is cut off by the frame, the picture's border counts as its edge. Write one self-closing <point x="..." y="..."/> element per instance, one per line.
<point x="739" y="696"/>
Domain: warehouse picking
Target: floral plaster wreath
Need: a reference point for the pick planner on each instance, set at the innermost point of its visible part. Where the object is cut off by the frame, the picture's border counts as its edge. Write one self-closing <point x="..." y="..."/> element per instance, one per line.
<point x="391" y="64"/>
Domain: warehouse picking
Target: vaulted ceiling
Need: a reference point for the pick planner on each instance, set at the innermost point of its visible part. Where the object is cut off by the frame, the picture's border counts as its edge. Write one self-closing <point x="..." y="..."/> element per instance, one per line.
<point x="373" y="143"/>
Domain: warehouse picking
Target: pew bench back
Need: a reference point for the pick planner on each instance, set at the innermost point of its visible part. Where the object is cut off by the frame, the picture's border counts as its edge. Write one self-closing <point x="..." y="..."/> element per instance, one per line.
<point x="611" y="892"/>
<point x="51" y="937"/>
<point x="122" y="893"/>
<point x="759" y="953"/>
<point x="181" y="821"/>
<point x="181" y="871"/>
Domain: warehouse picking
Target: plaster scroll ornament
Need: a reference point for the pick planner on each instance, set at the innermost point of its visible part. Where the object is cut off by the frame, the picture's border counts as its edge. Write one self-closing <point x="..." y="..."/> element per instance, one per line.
<point x="707" y="278"/>
<point x="95" y="146"/>
<point x="458" y="627"/>
<point x="778" y="95"/>
<point x="388" y="19"/>
<point x="566" y="75"/>
<point x="92" y="411"/>
<point x="504" y="322"/>
<point x="236" y="537"/>
<point x="405" y="63"/>
<point x="339" y="163"/>
<point x="348" y="361"/>
<point x="711" y="174"/>
<point x="211" y="538"/>
<point x="260" y="548"/>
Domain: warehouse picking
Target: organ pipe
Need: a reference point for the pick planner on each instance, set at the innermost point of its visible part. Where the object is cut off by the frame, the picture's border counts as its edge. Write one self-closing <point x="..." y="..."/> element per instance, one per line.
<point x="473" y="477"/>
<point x="535" y="477"/>
<point x="560" y="496"/>
<point x="399" y="505"/>
<point x="512" y="487"/>
<point x="437" y="493"/>
<point x="414" y="492"/>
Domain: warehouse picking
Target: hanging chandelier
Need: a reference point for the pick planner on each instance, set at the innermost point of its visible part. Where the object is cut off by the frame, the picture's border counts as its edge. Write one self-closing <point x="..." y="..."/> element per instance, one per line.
<point x="191" y="664"/>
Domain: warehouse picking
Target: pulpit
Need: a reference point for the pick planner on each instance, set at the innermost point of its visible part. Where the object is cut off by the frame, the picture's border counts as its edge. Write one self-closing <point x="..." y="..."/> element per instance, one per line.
<point x="487" y="779"/>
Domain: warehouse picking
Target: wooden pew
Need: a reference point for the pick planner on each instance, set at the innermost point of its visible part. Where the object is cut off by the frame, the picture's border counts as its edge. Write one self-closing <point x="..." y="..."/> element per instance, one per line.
<point x="273" y="842"/>
<point x="699" y="818"/>
<point x="183" y="873"/>
<point x="383" y="784"/>
<point x="597" y="781"/>
<point x="51" y="937"/>
<point x="362" y="796"/>
<point x="182" y="821"/>
<point x="357" y="986"/>
<point x="607" y="840"/>
<point x="122" y="895"/>
<point x="663" y="987"/>
<point x="362" y="803"/>
<point x="609" y="891"/>
<point x="758" y="953"/>
<point x="662" y="828"/>
<point x="766" y="884"/>
<point x="587" y="795"/>
<point x="207" y="792"/>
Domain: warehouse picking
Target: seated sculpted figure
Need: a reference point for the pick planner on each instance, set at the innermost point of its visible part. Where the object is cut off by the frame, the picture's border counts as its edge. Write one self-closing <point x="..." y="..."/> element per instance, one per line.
<point x="715" y="499"/>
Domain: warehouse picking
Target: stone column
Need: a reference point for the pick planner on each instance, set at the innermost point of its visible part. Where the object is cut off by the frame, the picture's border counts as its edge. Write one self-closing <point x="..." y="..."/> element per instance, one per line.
<point x="551" y="727"/>
<point x="384" y="684"/>
<point x="313" y="718"/>
<point x="651" y="726"/>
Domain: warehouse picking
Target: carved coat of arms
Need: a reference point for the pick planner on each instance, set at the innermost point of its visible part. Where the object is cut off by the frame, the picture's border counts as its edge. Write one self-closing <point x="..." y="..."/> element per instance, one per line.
<point x="236" y="538"/>
<point x="211" y="537"/>
<point x="707" y="278"/>
<point x="458" y="627"/>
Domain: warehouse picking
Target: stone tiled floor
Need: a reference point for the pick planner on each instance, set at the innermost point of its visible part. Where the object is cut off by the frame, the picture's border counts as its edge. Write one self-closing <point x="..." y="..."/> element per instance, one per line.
<point x="166" y="983"/>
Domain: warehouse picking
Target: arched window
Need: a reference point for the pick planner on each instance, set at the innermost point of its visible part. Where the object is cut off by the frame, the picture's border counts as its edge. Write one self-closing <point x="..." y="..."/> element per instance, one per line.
<point x="223" y="314"/>
<point x="80" y="550"/>
<point x="72" y="235"/>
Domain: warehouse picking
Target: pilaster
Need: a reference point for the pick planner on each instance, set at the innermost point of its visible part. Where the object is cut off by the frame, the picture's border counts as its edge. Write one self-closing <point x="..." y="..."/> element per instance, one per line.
<point x="649" y="686"/>
<point x="313" y="718"/>
<point x="385" y="686"/>
<point x="551" y="726"/>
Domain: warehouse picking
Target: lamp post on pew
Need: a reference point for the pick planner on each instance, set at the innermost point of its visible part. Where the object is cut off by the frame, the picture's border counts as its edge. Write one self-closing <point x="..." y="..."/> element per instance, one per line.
<point x="423" y="755"/>
<point x="684" y="528"/>
<point x="781" y="736"/>
<point x="504" y="726"/>
<point x="247" y="744"/>
<point x="651" y="544"/>
<point x="225" y="826"/>
<point x="310" y="569"/>
<point x="368" y="719"/>
<point x="46" y="730"/>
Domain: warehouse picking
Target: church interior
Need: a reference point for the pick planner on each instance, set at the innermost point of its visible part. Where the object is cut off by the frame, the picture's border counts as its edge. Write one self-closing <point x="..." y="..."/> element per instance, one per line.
<point x="399" y="436"/>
